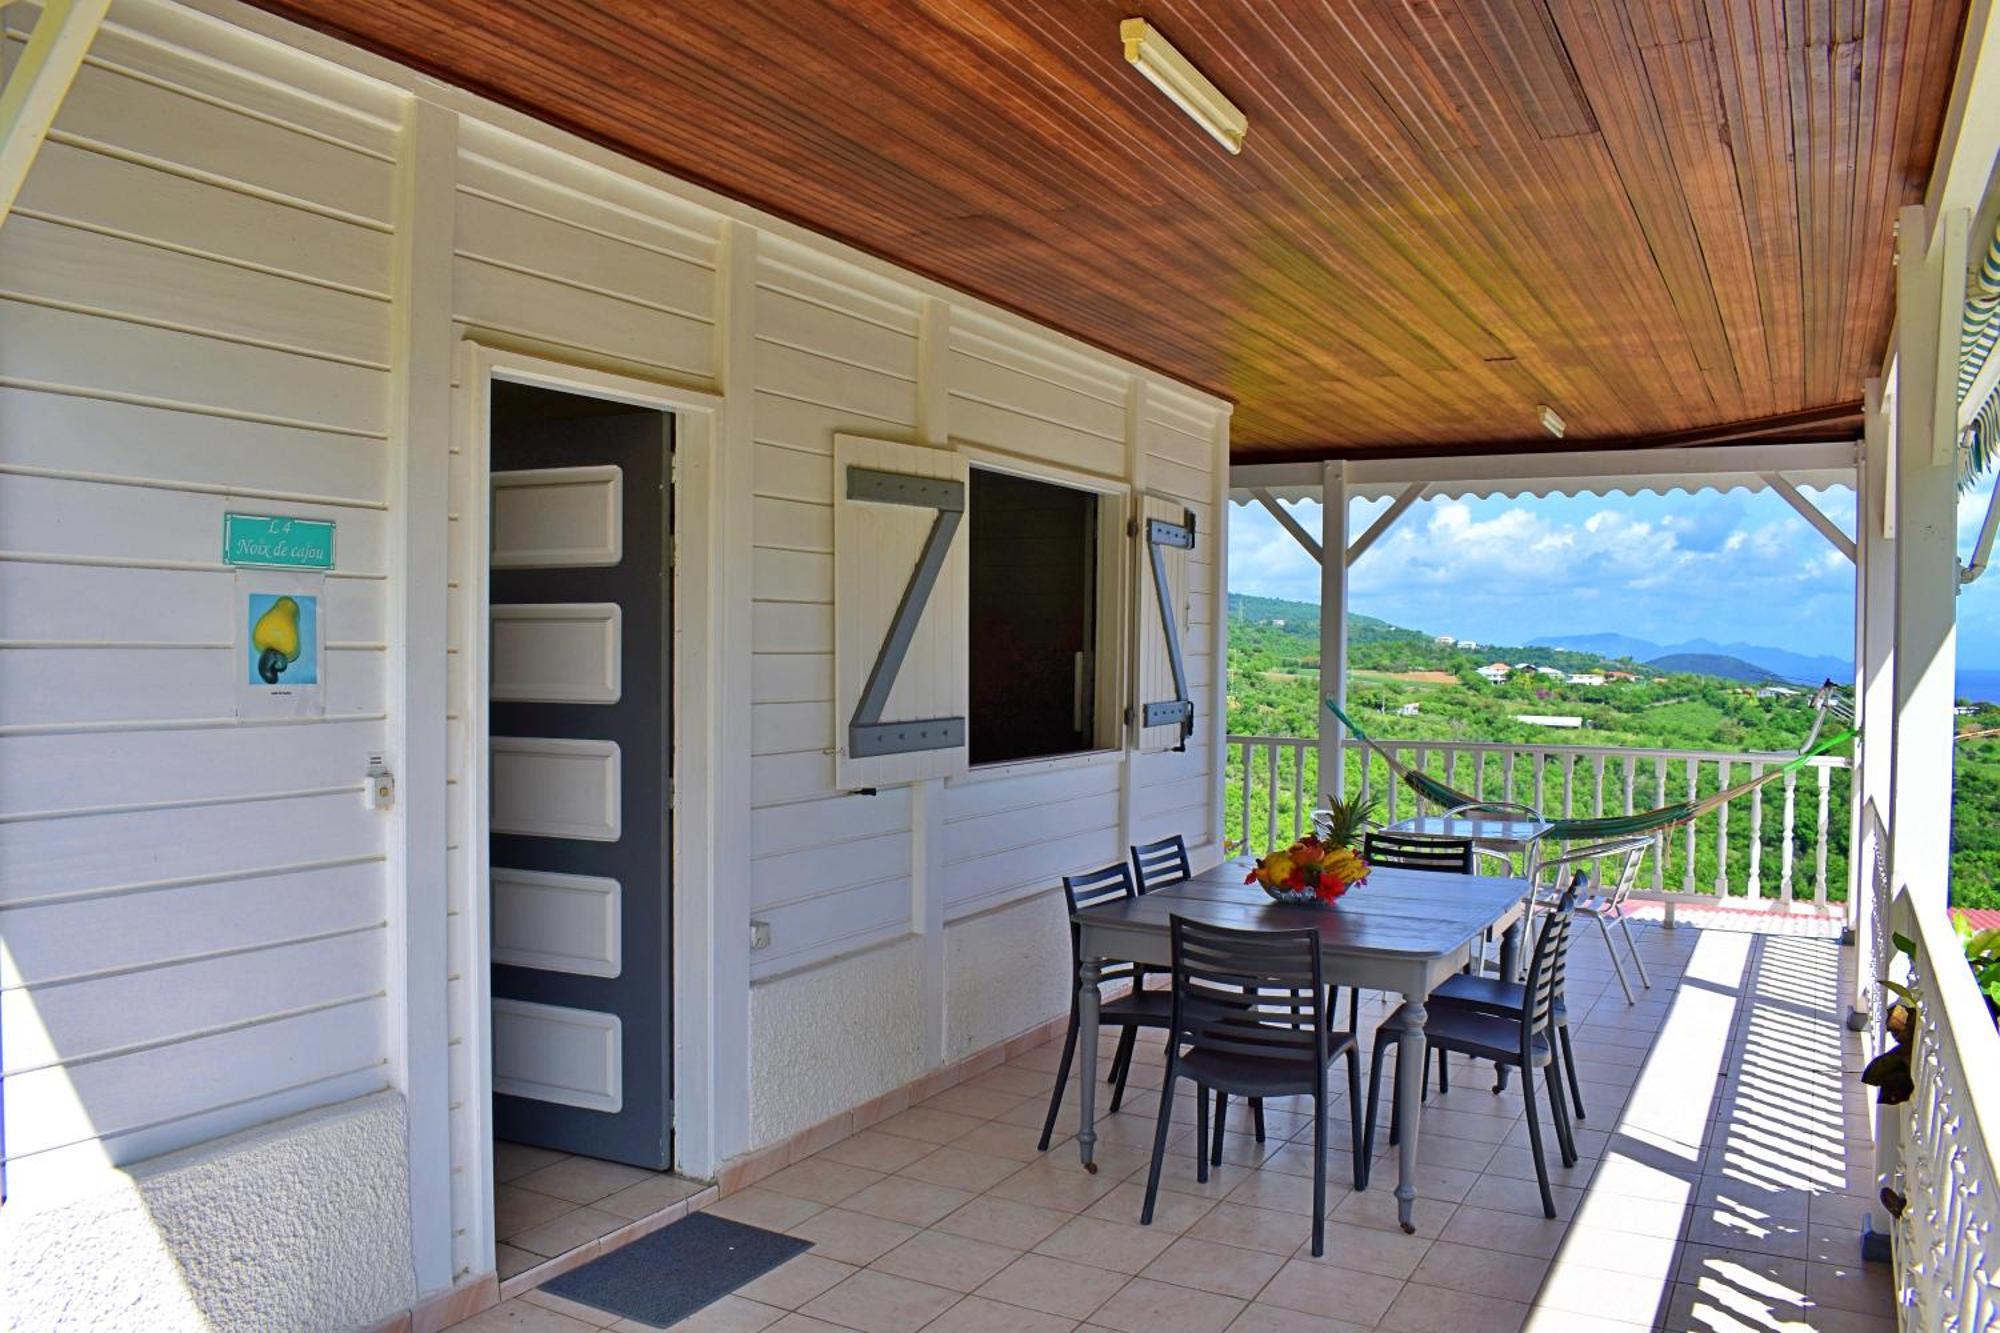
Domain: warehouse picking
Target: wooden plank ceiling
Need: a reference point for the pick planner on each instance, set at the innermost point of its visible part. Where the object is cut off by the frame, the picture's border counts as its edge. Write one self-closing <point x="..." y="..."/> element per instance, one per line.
<point x="1669" y="219"/>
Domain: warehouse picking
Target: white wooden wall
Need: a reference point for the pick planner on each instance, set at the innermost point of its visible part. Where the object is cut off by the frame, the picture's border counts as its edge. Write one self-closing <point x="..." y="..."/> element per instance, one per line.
<point x="195" y="315"/>
<point x="193" y="318"/>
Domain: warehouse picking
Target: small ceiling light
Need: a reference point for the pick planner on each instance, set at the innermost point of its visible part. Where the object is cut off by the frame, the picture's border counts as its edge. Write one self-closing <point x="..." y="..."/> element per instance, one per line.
<point x="1173" y="74"/>
<point x="1551" y="423"/>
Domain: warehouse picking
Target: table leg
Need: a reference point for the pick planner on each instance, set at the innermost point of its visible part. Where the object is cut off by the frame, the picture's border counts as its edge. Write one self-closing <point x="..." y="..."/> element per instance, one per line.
<point x="1412" y="1049"/>
<point x="1088" y="973"/>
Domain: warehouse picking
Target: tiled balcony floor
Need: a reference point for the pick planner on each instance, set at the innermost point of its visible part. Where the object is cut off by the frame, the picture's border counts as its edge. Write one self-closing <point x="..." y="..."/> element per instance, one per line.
<point x="1723" y="1155"/>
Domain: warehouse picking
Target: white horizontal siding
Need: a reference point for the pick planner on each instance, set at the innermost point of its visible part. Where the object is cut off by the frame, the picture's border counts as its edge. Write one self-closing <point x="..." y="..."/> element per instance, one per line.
<point x="192" y="295"/>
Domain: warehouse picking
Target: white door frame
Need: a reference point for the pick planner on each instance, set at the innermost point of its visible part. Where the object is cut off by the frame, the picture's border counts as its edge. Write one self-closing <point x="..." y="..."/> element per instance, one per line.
<point x="697" y="431"/>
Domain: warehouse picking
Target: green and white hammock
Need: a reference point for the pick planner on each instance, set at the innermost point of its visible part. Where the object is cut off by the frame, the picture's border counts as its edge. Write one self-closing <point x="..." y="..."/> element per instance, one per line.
<point x="1826" y="702"/>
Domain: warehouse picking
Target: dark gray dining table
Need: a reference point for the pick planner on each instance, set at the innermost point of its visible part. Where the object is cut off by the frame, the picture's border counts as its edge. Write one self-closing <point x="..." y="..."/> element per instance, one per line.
<point x="1403" y="931"/>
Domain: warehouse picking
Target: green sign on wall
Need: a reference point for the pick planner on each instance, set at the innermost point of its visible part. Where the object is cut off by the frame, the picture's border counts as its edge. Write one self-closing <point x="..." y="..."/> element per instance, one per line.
<point x="275" y="542"/>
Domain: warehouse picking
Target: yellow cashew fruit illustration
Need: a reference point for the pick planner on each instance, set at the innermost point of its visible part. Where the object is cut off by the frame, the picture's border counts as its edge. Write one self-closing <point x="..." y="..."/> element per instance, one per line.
<point x="276" y="639"/>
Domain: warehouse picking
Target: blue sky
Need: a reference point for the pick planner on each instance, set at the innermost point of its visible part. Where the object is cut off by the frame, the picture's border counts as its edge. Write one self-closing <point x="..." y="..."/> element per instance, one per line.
<point x="1733" y="567"/>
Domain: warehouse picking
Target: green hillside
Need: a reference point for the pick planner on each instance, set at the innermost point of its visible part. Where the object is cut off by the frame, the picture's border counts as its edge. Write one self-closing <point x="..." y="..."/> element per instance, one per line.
<point x="1274" y="691"/>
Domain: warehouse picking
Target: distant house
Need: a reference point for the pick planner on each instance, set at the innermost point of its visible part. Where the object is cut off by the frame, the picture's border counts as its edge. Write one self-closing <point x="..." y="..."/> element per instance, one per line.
<point x="1549" y="720"/>
<point x="1277" y="624"/>
<point x="1467" y="643"/>
<point x="1445" y="639"/>
<point x="1584" y="678"/>
<point x="1554" y="673"/>
<point x="1776" y="692"/>
<point x="1964" y="710"/>
<point x="1619" y="675"/>
<point x="1408" y="710"/>
<point x="1496" y="672"/>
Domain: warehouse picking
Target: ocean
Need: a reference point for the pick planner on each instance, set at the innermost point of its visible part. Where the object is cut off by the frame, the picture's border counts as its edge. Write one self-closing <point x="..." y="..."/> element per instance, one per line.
<point x="1979" y="685"/>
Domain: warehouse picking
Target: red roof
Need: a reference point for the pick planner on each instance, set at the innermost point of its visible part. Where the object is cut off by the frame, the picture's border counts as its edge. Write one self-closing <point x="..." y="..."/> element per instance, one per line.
<point x="1979" y="918"/>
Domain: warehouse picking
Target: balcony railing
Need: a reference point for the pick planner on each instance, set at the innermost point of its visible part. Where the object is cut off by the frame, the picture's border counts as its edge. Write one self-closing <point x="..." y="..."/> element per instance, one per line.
<point x="1944" y="1240"/>
<point x="1793" y="852"/>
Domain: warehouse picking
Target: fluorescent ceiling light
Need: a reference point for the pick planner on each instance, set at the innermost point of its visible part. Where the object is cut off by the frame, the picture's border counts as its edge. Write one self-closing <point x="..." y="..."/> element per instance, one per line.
<point x="1551" y="423"/>
<point x="1173" y="75"/>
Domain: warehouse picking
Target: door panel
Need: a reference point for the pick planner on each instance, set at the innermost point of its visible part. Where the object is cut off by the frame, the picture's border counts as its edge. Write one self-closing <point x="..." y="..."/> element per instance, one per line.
<point x="579" y="754"/>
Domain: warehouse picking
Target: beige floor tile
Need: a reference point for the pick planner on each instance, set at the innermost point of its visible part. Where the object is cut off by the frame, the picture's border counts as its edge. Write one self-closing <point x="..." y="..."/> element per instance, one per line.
<point x="1367" y="1250"/>
<point x="1019" y="1143"/>
<point x="650" y="1196"/>
<point x="821" y="1180"/>
<point x="511" y="1161"/>
<point x="796" y="1281"/>
<point x="1255" y="1228"/>
<point x="1053" y="1286"/>
<point x="875" y="1151"/>
<point x="881" y="1303"/>
<point x="588" y="1314"/>
<point x="1209" y="1266"/>
<point x="914" y="1202"/>
<point x="1490" y="1230"/>
<point x="1048" y="1186"/>
<point x="1510" y="1195"/>
<point x="567" y="1231"/>
<point x="1171" y="1212"/>
<point x="1145" y="1306"/>
<point x="799" y="1323"/>
<point x="1376" y="1207"/>
<point x="1507" y="1277"/>
<point x="850" y="1237"/>
<point x="997" y="1221"/>
<point x="976" y="1314"/>
<point x="511" y="1259"/>
<point x="731" y="1314"/>
<point x="1865" y="1288"/>
<point x="982" y="1103"/>
<point x="959" y="1169"/>
<point x="929" y="1126"/>
<point x="1584" y="1289"/>
<point x="1119" y="1246"/>
<point x="519" y="1316"/>
<point x="1260" y="1318"/>
<point x="1766" y="1274"/>
<point x="944" y="1260"/>
<point x="582" y="1179"/>
<point x="760" y="1207"/>
<point x="1423" y="1309"/>
<point x="1317" y="1288"/>
<point x="516" y="1210"/>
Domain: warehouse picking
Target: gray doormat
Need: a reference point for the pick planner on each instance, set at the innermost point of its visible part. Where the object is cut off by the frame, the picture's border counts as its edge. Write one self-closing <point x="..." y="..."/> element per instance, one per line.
<point x="663" y="1278"/>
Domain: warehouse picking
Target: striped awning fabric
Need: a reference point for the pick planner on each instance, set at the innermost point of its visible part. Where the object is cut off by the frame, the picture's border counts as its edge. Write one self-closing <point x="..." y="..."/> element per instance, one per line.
<point x="1980" y="442"/>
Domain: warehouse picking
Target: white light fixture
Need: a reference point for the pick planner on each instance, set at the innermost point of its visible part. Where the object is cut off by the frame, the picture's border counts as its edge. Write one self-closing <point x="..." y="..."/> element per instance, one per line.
<point x="1173" y="74"/>
<point x="1551" y="423"/>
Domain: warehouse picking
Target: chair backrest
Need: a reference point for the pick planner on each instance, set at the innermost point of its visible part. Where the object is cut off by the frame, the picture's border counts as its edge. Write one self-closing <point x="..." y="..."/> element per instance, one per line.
<point x="1249" y="992"/>
<point x="1094" y="888"/>
<point x="1408" y="851"/>
<point x="1626" y="855"/>
<point x="1545" y="969"/>
<point x="1628" y="872"/>
<point x="1158" y="864"/>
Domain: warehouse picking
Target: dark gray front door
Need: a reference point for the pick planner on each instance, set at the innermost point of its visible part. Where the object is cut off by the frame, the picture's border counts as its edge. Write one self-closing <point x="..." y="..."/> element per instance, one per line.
<point x="579" y="747"/>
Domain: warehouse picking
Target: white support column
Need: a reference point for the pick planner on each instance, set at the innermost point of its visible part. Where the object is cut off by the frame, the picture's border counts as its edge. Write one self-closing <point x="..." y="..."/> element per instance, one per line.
<point x="1930" y="293"/>
<point x="420" y="439"/>
<point x="927" y="797"/>
<point x="1333" y="626"/>
<point x="1874" y="641"/>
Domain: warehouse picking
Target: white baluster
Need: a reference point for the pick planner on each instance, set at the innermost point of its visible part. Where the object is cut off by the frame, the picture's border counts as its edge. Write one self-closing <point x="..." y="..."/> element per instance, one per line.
<point x="1694" y="790"/>
<point x="1244" y="797"/>
<point x="1270" y="796"/>
<point x="1301" y="815"/>
<point x="1756" y="889"/>
<point x="1785" y="848"/>
<point x="1722" y="832"/>
<point x="1660" y="845"/>
<point x="1819" y="870"/>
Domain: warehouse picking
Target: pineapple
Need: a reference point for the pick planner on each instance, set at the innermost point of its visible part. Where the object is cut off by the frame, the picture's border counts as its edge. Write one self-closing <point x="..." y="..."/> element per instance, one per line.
<point x="1341" y="823"/>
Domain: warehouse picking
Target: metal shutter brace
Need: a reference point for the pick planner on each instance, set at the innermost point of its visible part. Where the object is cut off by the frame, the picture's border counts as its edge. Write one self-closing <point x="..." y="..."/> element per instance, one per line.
<point x="867" y="734"/>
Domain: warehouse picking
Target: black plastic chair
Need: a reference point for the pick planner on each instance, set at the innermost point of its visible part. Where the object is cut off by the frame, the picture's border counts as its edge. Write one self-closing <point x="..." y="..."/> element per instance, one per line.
<point x="1495" y="995"/>
<point x="1250" y="1007"/>
<point x="1409" y="851"/>
<point x="1521" y="1042"/>
<point x="1158" y="864"/>
<point x="1140" y="1008"/>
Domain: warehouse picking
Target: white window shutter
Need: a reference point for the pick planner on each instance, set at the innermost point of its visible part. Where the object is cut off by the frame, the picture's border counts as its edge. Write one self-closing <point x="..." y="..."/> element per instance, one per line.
<point x="900" y="693"/>
<point x="1165" y="544"/>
